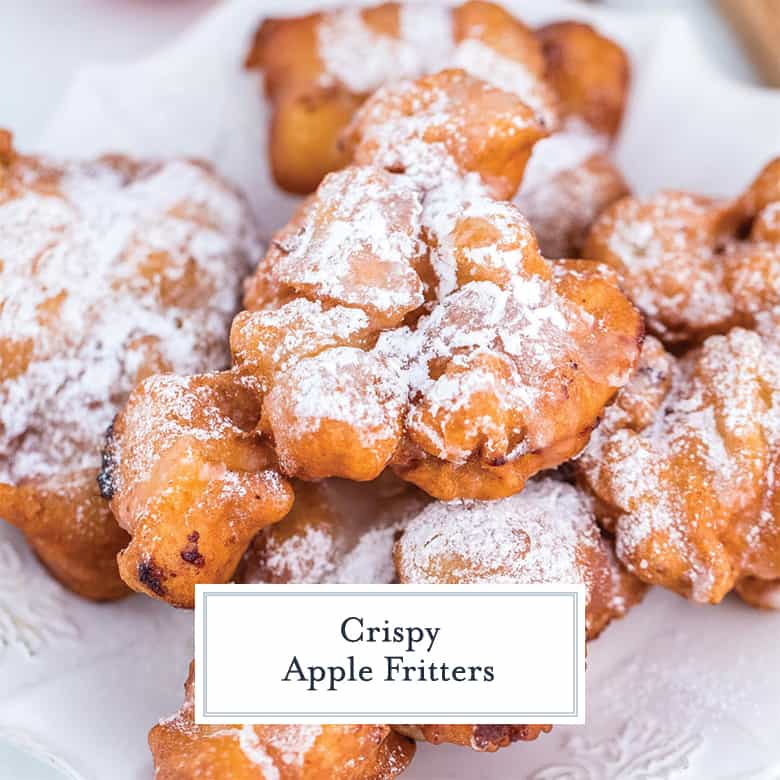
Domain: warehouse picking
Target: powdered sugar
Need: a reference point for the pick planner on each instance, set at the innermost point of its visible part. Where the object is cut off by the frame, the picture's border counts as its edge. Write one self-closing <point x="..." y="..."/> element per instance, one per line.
<point x="348" y="385"/>
<point x="668" y="248"/>
<point x="314" y="557"/>
<point x="338" y="532"/>
<point x="371" y="560"/>
<point x="170" y="408"/>
<point x="443" y="126"/>
<point x="532" y="537"/>
<point x="545" y="535"/>
<point x="253" y="749"/>
<point x="363" y="59"/>
<point x="458" y="201"/>
<point x="562" y="151"/>
<point x="684" y="480"/>
<point x="569" y="180"/>
<point x="490" y="323"/>
<point x="499" y="342"/>
<point x="110" y="270"/>
<point x="696" y="265"/>
<point x="511" y="75"/>
<point x="358" y="243"/>
<point x="399" y="142"/>
<point x="290" y="743"/>
<point x="271" y="341"/>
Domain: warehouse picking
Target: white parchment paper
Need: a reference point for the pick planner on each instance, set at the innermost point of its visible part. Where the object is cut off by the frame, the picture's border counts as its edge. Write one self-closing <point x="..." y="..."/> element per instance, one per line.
<point x="674" y="690"/>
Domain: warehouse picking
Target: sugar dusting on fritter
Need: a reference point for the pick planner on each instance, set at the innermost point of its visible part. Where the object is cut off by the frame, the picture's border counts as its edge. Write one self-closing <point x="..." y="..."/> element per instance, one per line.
<point x="352" y="544"/>
<point x="171" y="408"/>
<point x="363" y="59"/>
<point x="569" y="180"/>
<point x="710" y="444"/>
<point x="290" y="743"/>
<point x="546" y="534"/>
<point x="670" y="236"/>
<point x="109" y="270"/>
<point x="359" y="249"/>
<point x="502" y="334"/>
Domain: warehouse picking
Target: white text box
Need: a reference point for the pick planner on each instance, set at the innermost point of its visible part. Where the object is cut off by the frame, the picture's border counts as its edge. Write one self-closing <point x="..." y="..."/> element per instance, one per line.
<point x="390" y="654"/>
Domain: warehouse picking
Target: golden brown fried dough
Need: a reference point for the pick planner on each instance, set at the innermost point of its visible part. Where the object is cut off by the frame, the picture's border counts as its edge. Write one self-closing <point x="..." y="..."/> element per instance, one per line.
<point x="545" y="535"/>
<point x="570" y="179"/>
<point x="589" y="72"/>
<point x="190" y="481"/>
<point x="485" y="738"/>
<point x="110" y="270"/>
<point x="320" y="68"/>
<point x="71" y="529"/>
<point x="336" y="531"/>
<point x="697" y="266"/>
<point x="423" y="330"/>
<point x="690" y="484"/>
<point x="305" y="130"/>
<point x="664" y="250"/>
<point x="450" y="122"/>
<point x="569" y="182"/>
<point x="684" y="468"/>
<point x="183" y="750"/>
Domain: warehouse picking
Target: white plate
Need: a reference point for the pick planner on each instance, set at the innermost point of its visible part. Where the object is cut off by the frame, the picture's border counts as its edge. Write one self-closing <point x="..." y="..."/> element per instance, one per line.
<point x="675" y="691"/>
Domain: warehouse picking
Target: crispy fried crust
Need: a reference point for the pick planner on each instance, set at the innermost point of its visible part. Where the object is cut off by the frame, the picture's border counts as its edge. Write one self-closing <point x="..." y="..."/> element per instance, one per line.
<point x="71" y="529"/>
<point x="444" y="122"/>
<point x="183" y="750"/>
<point x="563" y="415"/>
<point x="484" y="738"/>
<point x="545" y="535"/>
<point x="320" y="68"/>
<point x="423" y="330"/>
<point x="191" y="481"/>
<point x="696" y="266"/>
<point x="589" y="72"/>
<point x="684" y="469"/>
<point x="110" y="270"/>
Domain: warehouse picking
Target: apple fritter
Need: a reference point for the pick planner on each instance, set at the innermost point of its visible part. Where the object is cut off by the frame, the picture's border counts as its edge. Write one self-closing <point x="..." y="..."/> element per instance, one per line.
<point x="191" y="482"/>
<point x="424" y="330"/>
<point x="544" y="535"/>
<point x="110" y="270"/>
<point x="320" y="68"/>
<point x="183" y="750"/>
<point x="446" y="124"/>
<point x="697" y="266"/>
<point x="684" y="469"/>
